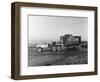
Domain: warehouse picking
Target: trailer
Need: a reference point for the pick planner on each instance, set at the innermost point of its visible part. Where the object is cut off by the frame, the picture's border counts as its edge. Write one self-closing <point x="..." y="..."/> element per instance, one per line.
<point x="66" y="41"/>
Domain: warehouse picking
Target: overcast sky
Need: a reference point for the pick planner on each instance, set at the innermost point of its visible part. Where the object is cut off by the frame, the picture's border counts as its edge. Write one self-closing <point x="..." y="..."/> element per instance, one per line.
<point x="50" y="28"/>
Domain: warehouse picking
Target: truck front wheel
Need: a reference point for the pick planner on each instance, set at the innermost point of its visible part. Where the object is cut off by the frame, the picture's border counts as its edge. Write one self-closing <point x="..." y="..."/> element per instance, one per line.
<point x="53" y="48"/>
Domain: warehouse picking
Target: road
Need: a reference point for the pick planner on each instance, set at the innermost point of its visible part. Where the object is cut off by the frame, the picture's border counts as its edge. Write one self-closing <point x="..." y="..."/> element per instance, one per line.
<point x="64" y="57"/>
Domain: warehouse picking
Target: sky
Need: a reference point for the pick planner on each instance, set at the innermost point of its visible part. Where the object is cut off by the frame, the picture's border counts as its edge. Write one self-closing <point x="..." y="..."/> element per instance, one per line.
<point x="50" y="28"/>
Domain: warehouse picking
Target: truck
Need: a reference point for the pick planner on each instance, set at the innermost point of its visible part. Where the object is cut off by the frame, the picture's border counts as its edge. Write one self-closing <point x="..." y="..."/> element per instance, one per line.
<point x="66" y="41"/>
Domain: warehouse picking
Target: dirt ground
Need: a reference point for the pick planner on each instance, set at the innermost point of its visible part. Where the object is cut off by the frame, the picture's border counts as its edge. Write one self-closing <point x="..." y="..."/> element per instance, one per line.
<point x="64" y="57"/>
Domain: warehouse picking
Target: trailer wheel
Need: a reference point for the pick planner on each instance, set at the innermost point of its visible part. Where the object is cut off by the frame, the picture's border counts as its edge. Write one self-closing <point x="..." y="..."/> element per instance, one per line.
<point x="39" y="49"/>
<point x="76" y="46"/>
<point x="53" y="48"/>
<point x="58" y="48"/>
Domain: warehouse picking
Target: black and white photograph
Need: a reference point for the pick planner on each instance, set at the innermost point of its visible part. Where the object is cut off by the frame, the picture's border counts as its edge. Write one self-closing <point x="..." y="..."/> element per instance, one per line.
<point x="53" y="40"/>
<point x="57" y="40"/>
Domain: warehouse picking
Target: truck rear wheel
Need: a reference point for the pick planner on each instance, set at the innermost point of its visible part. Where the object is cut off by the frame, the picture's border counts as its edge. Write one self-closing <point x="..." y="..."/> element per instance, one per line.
<point x="53" y="48"/>
<point x="39" y="49"/>
<point x="58" y="48"/>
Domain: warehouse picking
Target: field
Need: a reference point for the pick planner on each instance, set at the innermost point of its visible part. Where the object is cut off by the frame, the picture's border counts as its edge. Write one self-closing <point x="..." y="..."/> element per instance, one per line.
<point x="69" y="56"/>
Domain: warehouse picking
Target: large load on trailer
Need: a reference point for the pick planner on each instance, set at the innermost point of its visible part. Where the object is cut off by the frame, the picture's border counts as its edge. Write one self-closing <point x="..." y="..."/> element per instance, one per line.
<point x="70" y="40"/>
<point x="65" y="42"/>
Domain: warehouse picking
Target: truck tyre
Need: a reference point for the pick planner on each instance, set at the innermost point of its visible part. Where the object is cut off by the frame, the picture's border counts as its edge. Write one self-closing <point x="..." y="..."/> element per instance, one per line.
<point x="53" y="48"/>
<point x="76" y="46"/>
<point x="80" y="47"/>
<point x="58" y="48"/>
<point x="39" y="49"/>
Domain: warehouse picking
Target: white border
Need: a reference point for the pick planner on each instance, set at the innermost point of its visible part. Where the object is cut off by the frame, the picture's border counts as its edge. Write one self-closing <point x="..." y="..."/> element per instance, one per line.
<point x="25" y="70"/>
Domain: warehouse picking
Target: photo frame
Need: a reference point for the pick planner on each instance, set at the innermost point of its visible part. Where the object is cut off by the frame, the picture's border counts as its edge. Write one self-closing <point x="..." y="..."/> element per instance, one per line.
<point x="53" y="40"/>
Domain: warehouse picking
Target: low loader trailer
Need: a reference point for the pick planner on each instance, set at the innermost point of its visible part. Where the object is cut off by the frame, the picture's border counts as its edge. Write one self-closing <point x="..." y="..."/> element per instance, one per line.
<point x="66" y="41"/>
